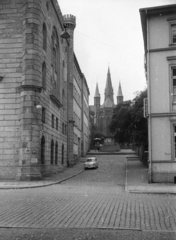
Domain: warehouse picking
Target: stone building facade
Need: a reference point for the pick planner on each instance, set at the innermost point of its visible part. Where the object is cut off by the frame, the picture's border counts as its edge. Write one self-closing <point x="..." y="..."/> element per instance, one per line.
<point x="37" y="72"/>
<point x="103" y="113"/>
<point x="80" y="112"/>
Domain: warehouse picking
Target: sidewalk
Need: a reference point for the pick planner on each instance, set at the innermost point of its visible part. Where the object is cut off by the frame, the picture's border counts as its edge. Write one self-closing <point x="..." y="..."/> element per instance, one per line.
<point x="137" y="179"/>
<point x="55" y="179"/>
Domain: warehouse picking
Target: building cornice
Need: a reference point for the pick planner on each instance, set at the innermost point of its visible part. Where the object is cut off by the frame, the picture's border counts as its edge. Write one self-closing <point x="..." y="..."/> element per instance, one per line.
<point x="172" y="115"/>
<point x="171" y="48"/>
<point x="163" y="161"/>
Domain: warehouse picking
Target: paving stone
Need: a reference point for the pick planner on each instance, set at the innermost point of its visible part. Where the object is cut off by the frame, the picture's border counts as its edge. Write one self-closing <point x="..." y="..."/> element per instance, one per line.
<point x="88" y="201"/>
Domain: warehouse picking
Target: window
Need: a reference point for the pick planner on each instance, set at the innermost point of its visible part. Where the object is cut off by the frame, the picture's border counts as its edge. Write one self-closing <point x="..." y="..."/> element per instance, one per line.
<point x="173" y="33"/>
<point x="55" y="58"/>
<point x="52" y="151"/>
<point x="63" y="70"/>
<point x="56" y="123"/>
<point x="62" y="128"/>
<point x="47" y="6"/>
<point x="52" y="121"/>
<point x="175" y="142"/>
<point x="42" y="150"/>
<point x="173" y="75"/>
<point x="44" y="37"/>
<point x="44" y="75"/>
<point x="43" y="114"/>
<point x="56" y="153"/>
<point x="63" y="98"/>
<point x="65" y="129"/>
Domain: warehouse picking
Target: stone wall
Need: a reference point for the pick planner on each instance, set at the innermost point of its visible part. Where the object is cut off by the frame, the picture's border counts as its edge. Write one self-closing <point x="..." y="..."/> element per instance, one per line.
<point x="11" y="68"/>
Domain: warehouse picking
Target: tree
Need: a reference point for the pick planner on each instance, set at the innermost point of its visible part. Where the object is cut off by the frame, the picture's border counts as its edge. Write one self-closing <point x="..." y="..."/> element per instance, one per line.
<point x="139" y="123"/>
<point x="128" y="123"/>
<point x="120" y="123"/>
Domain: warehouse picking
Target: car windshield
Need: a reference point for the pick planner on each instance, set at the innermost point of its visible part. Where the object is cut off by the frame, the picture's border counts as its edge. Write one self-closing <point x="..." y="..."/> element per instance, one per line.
<point x="90" y="160"/>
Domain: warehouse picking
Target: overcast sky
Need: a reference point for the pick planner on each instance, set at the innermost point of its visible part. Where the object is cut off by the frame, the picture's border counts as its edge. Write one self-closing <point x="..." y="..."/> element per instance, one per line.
<point x="109" y="33"/>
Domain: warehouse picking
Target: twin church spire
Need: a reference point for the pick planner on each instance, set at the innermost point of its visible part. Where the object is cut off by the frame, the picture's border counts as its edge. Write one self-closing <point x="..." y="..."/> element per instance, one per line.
<point x="109" y="93"/>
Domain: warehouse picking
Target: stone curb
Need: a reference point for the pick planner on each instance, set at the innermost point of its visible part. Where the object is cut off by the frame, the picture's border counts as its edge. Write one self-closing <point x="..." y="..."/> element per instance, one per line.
<point x="41" y="185"/>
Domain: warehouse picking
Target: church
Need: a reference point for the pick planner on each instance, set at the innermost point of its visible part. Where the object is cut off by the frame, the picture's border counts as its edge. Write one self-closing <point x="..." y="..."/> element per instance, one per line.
<point x="103" y="113"/>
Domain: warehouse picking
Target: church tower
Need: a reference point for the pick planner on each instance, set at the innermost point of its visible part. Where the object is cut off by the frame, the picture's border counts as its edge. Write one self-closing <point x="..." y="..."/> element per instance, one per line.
<point x="109" y="94"/>
<point x="119" y="95"/>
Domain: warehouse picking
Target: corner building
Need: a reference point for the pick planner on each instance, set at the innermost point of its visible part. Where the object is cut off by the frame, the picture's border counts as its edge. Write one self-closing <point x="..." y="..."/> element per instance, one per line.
<point x="159" y="33"/>
<point x="36" y="90"/>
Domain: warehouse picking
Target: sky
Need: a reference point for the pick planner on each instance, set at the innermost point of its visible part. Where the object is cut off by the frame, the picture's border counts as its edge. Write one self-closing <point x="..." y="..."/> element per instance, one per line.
<point x="108" y="33"/>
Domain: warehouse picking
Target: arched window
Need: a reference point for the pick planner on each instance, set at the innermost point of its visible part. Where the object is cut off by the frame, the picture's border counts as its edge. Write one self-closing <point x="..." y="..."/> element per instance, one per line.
<point x="43" y="150"/>
<point x="55" y="63"/>
<point x="52" y="151"/>
<point x="63" y="98"/>
<point x="44" y="37"/>
<point x="44" y="75"/>
<point x="56" y="153"/>
<point x="63" y="70"/>
<point x="62" y="154"/>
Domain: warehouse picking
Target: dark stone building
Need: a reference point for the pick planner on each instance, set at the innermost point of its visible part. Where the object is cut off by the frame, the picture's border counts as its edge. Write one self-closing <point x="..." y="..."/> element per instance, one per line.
<point x="38" y="73"/>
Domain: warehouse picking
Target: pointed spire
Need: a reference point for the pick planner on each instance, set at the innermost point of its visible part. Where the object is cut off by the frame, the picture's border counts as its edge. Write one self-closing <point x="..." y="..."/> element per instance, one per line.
<point x="109" y="94"/>
<point x="108" y="89"/>
<point x="119" y="94"/>
<point x="97" y="94"/>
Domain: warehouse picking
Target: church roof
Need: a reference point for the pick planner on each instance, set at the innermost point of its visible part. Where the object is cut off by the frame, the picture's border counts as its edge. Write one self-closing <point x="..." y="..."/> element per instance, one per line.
<point x="97" y="94"/>
<point x="109" y="95"/>
<point x="119" y="94"/>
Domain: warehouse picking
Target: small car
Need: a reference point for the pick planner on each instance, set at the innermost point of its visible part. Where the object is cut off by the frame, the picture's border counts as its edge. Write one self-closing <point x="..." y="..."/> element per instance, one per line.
<point x="91" y="162"/>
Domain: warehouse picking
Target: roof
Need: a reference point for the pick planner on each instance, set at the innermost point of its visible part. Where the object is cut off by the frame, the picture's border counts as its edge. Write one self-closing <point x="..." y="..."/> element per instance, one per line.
<point x="119" y="94"/>
<point x="97" y="94"/>
<point x="108" y="88"/>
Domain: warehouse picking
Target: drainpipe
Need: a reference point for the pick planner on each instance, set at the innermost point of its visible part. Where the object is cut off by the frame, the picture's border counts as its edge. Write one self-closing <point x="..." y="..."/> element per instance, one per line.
<point x="149" y="103"/>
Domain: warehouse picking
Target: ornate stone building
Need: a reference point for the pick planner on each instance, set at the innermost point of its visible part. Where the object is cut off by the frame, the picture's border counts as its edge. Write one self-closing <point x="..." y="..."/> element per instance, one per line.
<point x="38" y="75"/>
<point x="103" y="113"/>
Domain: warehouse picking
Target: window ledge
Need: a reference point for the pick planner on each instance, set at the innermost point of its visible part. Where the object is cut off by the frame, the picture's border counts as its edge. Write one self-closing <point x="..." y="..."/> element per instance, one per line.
<point x="55" y="100"/>
<point x="172" y="44"/>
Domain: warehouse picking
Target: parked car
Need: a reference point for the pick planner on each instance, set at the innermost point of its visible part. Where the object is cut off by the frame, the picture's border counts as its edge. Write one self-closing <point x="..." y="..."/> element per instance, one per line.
<point x="91" y="162"/>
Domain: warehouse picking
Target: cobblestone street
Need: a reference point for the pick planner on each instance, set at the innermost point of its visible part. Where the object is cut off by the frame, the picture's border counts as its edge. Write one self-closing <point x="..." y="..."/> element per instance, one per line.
<point x="93" y="199"/>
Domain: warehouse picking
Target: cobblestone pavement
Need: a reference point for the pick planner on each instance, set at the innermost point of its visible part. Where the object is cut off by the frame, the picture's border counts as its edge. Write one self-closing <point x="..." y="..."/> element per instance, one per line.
<point x="93" y="199"/>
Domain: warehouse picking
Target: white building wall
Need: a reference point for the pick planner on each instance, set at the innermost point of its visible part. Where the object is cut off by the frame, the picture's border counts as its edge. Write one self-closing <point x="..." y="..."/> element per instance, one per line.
<point x="161" y="111"/>
<point x="161" y="140"/>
